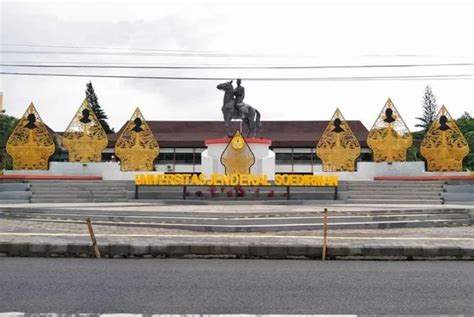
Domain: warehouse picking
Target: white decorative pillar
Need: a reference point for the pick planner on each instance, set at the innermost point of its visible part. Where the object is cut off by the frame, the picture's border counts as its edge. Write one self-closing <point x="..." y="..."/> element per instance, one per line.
<point x="264" y="157"/>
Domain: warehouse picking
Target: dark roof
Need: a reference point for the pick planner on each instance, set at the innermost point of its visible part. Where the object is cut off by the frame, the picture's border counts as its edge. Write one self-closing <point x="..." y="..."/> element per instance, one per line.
<point x="282" y="133"/>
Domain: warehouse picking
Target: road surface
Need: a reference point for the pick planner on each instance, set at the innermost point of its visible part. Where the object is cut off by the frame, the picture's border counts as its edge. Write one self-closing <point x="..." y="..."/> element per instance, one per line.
<point x="235" y="286"/>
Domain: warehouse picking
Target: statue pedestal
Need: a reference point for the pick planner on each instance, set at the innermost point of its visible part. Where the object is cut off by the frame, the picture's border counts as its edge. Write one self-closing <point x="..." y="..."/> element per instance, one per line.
<point x="264" y="157"/>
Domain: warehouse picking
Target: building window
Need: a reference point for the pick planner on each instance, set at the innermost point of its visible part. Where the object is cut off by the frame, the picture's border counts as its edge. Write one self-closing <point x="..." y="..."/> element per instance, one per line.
<point x="316" y="159"/>
<point x="184" y="158"/>
<point x="302" y="158"/>
<point x="365" y="157"/>
<point x="283" y="158"/>
<point x="197" y="158"/>
<point x="166" y="158"/>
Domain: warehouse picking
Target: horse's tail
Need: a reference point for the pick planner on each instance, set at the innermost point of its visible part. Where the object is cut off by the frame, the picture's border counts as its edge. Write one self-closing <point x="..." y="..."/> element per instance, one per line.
<point x="259" y="124"/>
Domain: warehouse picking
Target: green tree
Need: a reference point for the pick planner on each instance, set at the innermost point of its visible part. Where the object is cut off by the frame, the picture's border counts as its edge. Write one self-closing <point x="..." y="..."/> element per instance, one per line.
<point x="99" y="112"/>
<point x="7" y="124"/>
<point x="57" y="155"/>
<point x="466" y="125"/>
<point x="430" y="109"/>
<point x="413" y="153"/>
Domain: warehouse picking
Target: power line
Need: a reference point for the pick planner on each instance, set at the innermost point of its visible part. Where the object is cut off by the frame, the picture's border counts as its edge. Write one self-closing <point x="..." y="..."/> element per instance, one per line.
<point x="353" y="78"/>
<point x="109" y="48"/>
<point x="160" y="53"/>
<point x="209" y="51"/>
<point x="234" y="66"/>
<point x="157" y="53"/>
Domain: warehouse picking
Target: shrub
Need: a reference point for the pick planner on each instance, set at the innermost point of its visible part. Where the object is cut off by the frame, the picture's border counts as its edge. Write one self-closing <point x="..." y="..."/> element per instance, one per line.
<point x="240" y="191"/>
<point x="257" y="191"/>
<point x="213" y="191"/>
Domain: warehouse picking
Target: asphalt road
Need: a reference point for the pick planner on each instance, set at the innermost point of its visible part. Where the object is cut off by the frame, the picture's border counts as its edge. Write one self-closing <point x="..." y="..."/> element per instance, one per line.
<point x="235" y="286"/>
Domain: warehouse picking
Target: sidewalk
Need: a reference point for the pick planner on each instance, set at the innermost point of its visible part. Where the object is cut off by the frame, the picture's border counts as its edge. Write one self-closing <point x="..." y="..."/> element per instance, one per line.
<point x="44" y="238"/>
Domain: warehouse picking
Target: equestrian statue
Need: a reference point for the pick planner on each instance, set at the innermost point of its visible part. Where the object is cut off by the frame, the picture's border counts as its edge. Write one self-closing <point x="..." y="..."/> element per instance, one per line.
<point x="234" y="108"/>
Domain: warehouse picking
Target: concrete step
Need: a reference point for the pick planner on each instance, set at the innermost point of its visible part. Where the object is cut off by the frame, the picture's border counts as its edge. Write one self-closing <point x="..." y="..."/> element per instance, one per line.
<point x="392" y="182"/>
<point x="76" y="200"/>
<point x="15" y="195"/>
<point x="442" y="210"/>
<point x="82" y="190"/>
<point x="219" y="220"/>
<point x="78" y="182"/>
<point x="389" y="192"/>
<point x="76" y="190"/>
<point x="8" y="187"/>
<point x="389" y="196"/>
<point x="457" y="189"/>
<point x="394" y="201"/>
<point x="392" y="190"/>
<point x="88" y="193"/>
<point x="421" y="217"/>
<point x="73" y="190"/>
<point x="296" y="226"/>
<point x="84" y="195"/>
<point x="14" y="201"/>
<point x="394" y="187"/>
<point x="75" y="186"/>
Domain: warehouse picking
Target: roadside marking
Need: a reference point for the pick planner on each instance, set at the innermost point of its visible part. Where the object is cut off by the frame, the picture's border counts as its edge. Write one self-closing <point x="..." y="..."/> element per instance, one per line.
<point x="138" y="235"/>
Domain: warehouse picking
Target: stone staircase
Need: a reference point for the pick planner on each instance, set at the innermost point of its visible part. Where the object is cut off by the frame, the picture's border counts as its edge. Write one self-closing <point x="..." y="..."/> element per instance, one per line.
<point x="391" y="192"/>
<point x="78" y="191"/>
<point x="14" y="192"/>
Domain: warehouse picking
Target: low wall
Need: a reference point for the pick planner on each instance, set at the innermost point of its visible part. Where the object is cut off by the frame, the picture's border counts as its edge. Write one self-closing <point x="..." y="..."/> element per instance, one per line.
<point x="107" y="170"/>
<point x="365" y="170"/>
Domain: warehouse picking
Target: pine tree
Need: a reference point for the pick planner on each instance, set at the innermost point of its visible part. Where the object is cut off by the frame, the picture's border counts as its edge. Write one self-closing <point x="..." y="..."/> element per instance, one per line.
<point x="99" y="112"/>
<point x="430" y="109"/>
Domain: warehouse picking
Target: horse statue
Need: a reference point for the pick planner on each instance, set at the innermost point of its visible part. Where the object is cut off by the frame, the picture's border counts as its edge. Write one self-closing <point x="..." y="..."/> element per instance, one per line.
<point x="249" y="114"/>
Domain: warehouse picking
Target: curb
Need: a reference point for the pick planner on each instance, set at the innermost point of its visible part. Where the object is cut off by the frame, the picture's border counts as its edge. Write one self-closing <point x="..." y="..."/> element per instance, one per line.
<point x="234" y="251"/>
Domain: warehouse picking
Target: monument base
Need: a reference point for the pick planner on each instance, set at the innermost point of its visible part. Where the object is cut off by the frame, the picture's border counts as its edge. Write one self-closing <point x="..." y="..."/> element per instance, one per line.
<point x="264" y="157"/>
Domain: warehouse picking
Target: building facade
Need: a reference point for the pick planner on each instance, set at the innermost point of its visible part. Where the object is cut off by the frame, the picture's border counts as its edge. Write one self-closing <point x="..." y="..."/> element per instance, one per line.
<point x="294" y="142"/>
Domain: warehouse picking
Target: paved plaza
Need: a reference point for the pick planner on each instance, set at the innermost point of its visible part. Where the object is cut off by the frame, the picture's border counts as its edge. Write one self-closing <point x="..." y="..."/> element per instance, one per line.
<point x="137" y="229"/>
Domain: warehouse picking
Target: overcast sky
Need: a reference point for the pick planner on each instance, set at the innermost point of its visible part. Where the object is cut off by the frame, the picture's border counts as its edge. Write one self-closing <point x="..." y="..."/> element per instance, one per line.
<point x="238" y="33"/>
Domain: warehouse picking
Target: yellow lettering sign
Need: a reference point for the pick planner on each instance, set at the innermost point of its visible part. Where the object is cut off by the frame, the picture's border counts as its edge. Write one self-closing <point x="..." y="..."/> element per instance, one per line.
<point x="235" y="180"/>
